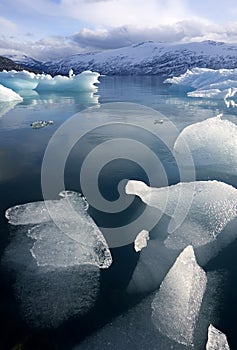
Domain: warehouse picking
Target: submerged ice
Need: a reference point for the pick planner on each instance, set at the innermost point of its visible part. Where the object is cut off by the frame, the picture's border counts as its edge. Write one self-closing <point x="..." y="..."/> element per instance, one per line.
<point x="57" y="277"/>
<point x="211" y="142"/>
<point x="199" y="210"/>
<point x="65" y="235"/>
<point x="176" y="305"/>
<point x="216" y="339"/>
<point x="24" y="80"/>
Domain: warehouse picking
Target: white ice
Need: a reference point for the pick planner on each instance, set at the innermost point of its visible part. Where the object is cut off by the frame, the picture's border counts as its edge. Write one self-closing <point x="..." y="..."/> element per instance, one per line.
<point x="216" y="339"/>
<point x="141" y="240"/>
<point x="24" y="80"/>
<point x="208" y="83"/>
<point x="199" y="210"/>
<point x="176" y="305"/>
<point x="136" y="329"/>
<point x="7" y="95"/>
<point x="211" y="142"/>
<point x="65" y="235"/>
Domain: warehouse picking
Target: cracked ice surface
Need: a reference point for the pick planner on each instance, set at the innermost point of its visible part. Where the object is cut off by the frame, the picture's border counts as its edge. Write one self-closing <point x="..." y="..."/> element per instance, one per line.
<point x="216" y="339"/>
<point x="66" y="234"/>
<point x="176" y="305"/>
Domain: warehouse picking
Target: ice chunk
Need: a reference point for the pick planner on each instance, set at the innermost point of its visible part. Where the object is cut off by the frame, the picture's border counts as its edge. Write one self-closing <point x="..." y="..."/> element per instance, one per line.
<point x="7" y="95"/>
<point x="176" y="305"/>
<point x="66" y="234"/>
<point x="208" y="83"/>
<point x="25" y="80"/>
<point x="212" y="141"/>
<point x="141" y="240"/>
<point x="216" y="339"/>
<point x="199" y="210"/>
<point x="41" y="124"/>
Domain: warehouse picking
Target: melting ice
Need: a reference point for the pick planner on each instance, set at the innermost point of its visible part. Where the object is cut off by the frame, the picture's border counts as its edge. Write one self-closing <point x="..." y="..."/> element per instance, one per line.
<point x="65" y="235"/>
<point x="24" y="80"/>
<point x="216" y="339"/>
<point x="177" y="303"/>
<point x="199" y="210"/>
<point x="208" y="83"/>
<point x="211" y="142"/>
<point x="58" y="277"/>
<point x="7" y="95"/>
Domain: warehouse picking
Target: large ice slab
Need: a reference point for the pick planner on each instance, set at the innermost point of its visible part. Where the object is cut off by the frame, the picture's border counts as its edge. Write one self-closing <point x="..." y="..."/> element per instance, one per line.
<point x="208" y="83"/>
<point x="177" y="303"/>
<point x="216" y="339"/>
<point x="7" y="95"/>
<point x="24" y="80"/>
<point x="199" y="210"/>
<point x="66" y="234"/>
<point x="211" y="142"/>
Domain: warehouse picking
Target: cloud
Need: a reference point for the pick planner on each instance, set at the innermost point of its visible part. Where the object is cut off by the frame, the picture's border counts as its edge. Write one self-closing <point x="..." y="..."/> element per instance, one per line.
<point x="183" y="31"/>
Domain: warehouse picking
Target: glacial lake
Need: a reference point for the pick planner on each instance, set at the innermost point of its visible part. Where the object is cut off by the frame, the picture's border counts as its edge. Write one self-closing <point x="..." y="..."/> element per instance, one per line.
<point x="125" y="123"/>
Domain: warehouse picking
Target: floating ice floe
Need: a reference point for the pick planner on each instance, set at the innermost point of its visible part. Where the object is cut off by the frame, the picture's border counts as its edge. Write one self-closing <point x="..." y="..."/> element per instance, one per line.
<point x="141" y="240"/>
<point x="7" y="94"/>
<point x="199" y="210"/>
<point x="24" y="80"/>
<point x="137" y="327"/>
<point x="176" y="305"/>
<point x="58" y="277"/>
<point x="38" y="124"/>
<point x="208" y="83"/>
<point x="211" y="142"/>
<point x="216" y="339"/>
<point x="65" y="235"/>
<point x="202" y="214"/>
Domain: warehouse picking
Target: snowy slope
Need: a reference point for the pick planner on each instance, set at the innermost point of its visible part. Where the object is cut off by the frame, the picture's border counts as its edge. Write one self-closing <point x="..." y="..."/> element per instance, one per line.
<point x="163" y="59"/>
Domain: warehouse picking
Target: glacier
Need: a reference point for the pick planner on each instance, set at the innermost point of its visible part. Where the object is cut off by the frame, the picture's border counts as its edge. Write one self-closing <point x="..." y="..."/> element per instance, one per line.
<point x="176" y="305"/>
<point x="212" y="142"/>
<point x="63" y="265"/>
<point x="216" y="339"/>
<point x="8" y="95"/>
<point x="24" y="80"/>
<point x="207" y="83"/>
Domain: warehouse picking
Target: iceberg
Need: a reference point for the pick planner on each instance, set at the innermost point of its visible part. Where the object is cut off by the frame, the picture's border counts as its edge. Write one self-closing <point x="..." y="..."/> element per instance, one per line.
<point x="216" y="339"/>
<point x="176" y="305"/>
<point x="65" y="234"/>
<point x="24" y="80"/>
<point x="211" y="142"/>
<point x="199" y="210"/>
<point x="8" y="95"/>
<point x="207" y="83"/>
<point x="38" y="124"/>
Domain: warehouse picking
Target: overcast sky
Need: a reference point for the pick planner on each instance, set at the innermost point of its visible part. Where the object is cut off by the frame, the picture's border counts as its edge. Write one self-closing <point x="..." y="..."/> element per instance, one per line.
<point x="48" y="29"/>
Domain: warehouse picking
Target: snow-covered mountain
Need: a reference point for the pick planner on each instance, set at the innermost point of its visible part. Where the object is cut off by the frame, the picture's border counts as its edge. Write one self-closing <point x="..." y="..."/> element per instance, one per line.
<point x="163" y="59"/>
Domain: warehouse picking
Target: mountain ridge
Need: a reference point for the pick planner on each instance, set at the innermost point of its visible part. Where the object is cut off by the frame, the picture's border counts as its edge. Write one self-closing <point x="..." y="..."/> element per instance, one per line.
<point x="146" y="58"/>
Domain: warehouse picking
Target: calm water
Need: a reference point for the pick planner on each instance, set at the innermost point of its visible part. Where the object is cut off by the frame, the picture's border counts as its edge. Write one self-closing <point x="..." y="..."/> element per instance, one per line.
<point x="21" y="154"/>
